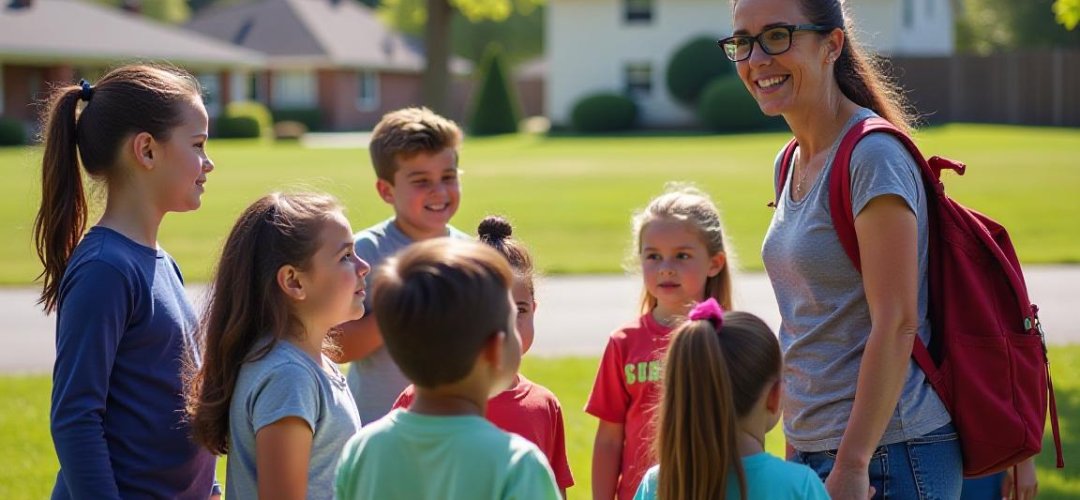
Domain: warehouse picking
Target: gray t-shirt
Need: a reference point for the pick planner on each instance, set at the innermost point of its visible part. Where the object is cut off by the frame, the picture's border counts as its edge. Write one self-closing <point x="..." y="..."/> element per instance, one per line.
<point x="288" y="383"/>
<point x="825" y="317"/>
<point x="376" y="381"/>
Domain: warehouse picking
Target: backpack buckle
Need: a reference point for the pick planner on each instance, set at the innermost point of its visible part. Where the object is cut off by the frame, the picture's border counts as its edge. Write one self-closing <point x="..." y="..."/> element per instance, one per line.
<point x="1042" y="336"/>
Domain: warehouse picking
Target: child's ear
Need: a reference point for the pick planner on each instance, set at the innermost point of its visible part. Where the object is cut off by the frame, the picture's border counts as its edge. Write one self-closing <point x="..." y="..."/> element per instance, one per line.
<point x="717" y="263"/>
<point x="772" y="399"/>
<point x="288" y="279"/>
<point x="385" y="190"/>
<point x="142" y="147"/>
<point x="494" y="350"/>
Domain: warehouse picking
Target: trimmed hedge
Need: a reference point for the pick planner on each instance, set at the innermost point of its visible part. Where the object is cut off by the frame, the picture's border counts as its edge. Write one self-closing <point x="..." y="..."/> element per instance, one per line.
<point x="233" y="123"/>
<point x="12" y="132"/>
<point x="727" y="106"/>
<point x="310" y="117"/>
<point x="604" y="112"/>
<point x="693" y="67"/>
<point x="495" y="110"/>
<point x="238" y="127"/>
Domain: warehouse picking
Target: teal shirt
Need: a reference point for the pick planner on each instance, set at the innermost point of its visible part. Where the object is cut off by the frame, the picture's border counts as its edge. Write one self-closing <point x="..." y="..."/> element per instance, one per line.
<point x="767" y="478"/>
<point x="420" y="457"/>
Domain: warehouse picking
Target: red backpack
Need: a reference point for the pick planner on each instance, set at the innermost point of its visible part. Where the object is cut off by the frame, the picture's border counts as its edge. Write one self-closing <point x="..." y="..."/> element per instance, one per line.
<point x="987" y="360"/>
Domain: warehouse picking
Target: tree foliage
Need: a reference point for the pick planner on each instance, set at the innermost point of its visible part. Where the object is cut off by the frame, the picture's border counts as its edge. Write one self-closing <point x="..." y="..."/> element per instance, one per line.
<point x="521" y="35"/>
<point x="1067" y="13"/>
<point x="436" y="17"/>
<point x="166" y="11"/>
<point x="988" y="25"/>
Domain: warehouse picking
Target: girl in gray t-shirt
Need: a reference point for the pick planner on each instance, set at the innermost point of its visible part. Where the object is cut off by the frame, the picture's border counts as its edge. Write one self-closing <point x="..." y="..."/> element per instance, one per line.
<point x="267" y="394"/>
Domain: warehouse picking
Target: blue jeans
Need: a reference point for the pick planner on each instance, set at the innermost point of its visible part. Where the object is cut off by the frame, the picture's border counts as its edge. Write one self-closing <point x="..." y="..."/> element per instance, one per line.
<point x="983" y="488"/>
<point x="927" y="467"/>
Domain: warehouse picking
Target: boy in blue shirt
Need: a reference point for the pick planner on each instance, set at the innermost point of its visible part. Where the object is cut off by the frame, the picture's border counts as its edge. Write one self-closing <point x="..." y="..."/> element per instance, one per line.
<point x="447" y="318"/>
<point x="415" y="155"/>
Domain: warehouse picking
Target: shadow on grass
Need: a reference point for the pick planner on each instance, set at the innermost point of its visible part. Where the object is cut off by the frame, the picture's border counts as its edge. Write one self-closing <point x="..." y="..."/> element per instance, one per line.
<point x="1054" y="482"/>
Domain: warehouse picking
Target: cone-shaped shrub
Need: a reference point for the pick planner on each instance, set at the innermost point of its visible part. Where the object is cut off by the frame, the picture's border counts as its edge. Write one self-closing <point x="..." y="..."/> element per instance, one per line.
<point x="495" y="109"/>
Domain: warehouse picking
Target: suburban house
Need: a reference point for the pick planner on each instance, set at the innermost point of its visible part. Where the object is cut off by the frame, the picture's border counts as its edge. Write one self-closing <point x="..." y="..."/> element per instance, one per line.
<point x="46" y="42"/>
<point x="331" y="57"/>
<point x="624" y="45"/>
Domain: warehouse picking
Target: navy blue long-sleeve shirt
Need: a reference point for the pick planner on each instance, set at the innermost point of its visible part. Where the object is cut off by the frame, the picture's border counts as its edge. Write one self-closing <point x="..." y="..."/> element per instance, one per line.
<point x="124" y="331"/>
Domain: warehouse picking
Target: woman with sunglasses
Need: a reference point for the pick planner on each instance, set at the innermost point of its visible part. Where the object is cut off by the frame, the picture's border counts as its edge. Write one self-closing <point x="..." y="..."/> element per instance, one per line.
<point x="857" y="409"/>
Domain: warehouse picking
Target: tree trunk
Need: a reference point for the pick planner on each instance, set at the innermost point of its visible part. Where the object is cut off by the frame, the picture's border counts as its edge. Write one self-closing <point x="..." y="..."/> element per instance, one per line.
<point x="436" y="79"/>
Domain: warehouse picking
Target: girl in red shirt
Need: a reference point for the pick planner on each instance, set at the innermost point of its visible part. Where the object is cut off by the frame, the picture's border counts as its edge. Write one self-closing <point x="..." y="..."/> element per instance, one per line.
<point x="680" y="243"/>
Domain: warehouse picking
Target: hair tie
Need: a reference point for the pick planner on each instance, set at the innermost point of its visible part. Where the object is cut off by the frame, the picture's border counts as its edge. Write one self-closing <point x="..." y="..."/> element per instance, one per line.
<point x="708" y="310"/>
<point x="87" y="90"/>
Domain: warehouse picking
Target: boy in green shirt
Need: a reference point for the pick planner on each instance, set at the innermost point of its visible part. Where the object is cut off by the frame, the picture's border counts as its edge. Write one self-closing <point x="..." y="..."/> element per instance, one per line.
<point x="447" y="318"/>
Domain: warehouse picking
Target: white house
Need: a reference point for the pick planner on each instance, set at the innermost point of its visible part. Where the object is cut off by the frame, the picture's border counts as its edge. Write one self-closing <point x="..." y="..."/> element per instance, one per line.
<point x="624" y="45"/>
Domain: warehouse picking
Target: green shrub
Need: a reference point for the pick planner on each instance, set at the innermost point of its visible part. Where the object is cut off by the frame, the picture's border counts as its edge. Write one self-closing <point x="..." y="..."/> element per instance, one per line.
<point x="12" y="132"/>
<point x="693" y="66"/>
<point x="310" y="117"/>
<point x="727" y="106"/>
<point x="604" y="112"/>
<point x="254" y="110"/>
<point x="238" y="127"/>
<point x="495" y="110"/>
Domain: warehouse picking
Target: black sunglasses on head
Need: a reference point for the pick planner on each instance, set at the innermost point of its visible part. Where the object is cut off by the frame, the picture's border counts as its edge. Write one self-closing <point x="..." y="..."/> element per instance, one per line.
<point x="774" y="41"/>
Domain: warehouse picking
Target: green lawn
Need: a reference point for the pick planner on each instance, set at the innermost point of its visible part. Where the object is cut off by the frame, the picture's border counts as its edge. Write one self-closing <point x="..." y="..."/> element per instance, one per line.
<point x="28" y="465"/>
<point x="571" y="198"/>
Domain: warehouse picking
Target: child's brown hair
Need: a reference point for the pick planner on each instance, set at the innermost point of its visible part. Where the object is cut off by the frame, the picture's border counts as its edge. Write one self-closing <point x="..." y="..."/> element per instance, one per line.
<point x="691" y="205"/>
<point x="497" y="233"/>
<point x="127" y="100"/>
<point x="408" y="132"/>
<point x="437" y="303"/>
<point x="245" y="303"/>
<point x="712" y="377"/>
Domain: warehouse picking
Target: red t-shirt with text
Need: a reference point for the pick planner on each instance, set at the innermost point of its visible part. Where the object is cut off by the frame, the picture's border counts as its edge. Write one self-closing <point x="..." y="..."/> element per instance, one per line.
<point x="627" y="391"/>
<point x="530" y="411"/>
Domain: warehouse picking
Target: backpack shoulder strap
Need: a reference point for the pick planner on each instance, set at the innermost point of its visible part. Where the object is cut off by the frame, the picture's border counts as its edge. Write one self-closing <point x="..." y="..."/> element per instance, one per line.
<point x="840" y="206"/>
<point x="840" y="180"/>
<point x="785" y="167"/>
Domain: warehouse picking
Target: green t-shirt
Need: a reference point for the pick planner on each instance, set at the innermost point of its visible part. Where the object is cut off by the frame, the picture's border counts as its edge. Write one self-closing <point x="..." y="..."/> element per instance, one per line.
<point x="410" y="456"/>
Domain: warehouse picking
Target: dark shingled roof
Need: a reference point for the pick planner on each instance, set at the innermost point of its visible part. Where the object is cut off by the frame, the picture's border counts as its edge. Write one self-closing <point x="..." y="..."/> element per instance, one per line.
<point x="70" y="31"/>
<point x="320" y="33"/>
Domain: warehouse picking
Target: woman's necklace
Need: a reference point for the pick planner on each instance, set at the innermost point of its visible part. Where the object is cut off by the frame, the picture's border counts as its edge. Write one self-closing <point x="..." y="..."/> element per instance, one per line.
<point x="801" y="176"/>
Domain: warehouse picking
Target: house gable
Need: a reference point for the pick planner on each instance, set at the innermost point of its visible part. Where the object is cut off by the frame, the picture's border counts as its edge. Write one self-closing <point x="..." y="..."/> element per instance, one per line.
<point x="270" y="26"/>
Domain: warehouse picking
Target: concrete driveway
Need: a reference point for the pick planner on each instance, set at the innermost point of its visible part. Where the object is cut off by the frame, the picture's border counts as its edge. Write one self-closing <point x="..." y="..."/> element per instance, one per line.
<point x="575" y="315"/>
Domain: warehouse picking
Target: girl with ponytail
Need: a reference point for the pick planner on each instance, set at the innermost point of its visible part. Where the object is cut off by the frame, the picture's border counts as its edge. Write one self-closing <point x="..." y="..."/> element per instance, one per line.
<point x="721" y="395"/>
<point x="857" y="408"/>
<point x="125" y="327"/>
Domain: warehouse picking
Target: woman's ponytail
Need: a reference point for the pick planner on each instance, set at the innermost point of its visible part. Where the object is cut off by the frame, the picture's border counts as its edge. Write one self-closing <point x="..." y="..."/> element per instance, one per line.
<point x="862" y="78"/>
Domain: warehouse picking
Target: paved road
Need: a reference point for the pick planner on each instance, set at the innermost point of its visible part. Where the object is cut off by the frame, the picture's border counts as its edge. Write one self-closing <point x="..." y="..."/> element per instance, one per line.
<point x="575" y="315"/>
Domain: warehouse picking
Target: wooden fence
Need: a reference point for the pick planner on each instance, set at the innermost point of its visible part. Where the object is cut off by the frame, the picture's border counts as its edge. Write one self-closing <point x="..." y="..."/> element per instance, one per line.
<point x="1028" y="87"/>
